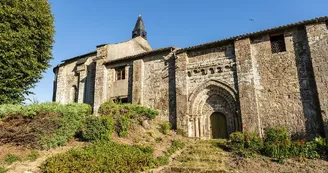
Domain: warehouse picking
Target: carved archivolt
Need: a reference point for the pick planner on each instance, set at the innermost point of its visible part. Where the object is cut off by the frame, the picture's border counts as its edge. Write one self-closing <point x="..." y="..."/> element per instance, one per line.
<point x="212" y="96"/>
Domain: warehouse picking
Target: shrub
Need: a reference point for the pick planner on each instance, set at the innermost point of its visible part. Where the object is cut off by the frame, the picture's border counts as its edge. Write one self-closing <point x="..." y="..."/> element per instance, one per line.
<point x="322" y="146"/>
<point x="277" y="143"/>
<point x="237" y="141"/>
<point x="162" y="160"/>
<point x="44" y="125"/>
<point x="11" y="158"/>
<point x="3" y="169"/>
<point x="253" y="142"/>
<point x="133" y="110"/>
<point x="101" y="157"/>
<point x="158" y="140"/>
<point x="165" y="127"/>
<point x="98" y="128"/>
<point x="123" y="114"/>
<point x="176" y="145"/>
<point x="124" y="125"/>
<point x="33" y="155"/>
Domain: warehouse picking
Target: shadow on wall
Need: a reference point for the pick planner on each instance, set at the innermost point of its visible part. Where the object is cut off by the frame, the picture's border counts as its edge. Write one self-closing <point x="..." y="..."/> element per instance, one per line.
<point x="308" y="89"/>
<point x="172" y="93"/>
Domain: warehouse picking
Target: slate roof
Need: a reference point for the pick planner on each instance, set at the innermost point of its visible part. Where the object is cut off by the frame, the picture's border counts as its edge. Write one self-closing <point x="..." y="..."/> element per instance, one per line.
<point x="266" y="31"/>
<point x="80" y="56"/>
<point x="139" y="24"/>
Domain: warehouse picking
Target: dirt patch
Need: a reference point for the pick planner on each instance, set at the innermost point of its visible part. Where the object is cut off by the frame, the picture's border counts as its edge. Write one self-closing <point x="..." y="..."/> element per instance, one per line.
<point x="266" y="165"/>
<point x="27" y="131"/>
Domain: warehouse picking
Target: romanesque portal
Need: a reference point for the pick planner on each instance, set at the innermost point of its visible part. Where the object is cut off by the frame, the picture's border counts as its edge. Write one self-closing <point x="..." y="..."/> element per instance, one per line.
<point x="213" y="111"/>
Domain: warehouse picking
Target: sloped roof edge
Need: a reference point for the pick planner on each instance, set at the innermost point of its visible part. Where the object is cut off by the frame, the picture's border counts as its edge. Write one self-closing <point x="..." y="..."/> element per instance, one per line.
<point x="282" y="27"/>
<point x="140" y="55"/>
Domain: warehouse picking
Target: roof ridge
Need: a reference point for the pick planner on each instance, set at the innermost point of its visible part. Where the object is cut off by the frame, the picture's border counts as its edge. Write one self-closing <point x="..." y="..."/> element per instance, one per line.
<point x="285" y="26"/>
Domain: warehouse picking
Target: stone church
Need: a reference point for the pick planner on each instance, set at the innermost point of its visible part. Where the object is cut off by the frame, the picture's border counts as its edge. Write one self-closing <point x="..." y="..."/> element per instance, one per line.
<point x="272" y="77"/>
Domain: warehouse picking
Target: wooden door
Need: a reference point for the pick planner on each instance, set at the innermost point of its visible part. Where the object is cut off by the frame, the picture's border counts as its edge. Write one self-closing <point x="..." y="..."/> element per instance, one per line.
<point x="219" y="126"/>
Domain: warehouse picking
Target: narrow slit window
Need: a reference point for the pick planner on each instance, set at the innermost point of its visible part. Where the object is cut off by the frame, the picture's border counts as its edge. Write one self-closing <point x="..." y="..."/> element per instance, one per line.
<point x="278" y="43"/>
<point x="120" y="73"/>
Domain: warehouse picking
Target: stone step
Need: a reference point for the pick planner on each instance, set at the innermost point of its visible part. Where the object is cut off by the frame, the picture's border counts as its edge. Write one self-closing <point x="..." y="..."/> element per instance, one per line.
<point x="199" y="164"/>
<point x="192" y="170"/>
<point x="208" y="158"/>
<point x="201" y="151"/>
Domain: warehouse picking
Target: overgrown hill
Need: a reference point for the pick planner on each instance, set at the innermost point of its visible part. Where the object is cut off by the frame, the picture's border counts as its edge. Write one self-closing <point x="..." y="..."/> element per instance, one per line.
<point x="130" y="138"/>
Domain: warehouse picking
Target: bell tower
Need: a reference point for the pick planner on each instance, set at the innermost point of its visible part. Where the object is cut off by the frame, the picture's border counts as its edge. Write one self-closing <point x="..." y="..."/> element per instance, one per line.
<point x="139" y="29"/>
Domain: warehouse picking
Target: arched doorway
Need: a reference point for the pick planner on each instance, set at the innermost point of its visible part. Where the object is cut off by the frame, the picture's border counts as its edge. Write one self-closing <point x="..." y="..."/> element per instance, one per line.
<point x="219" y="126"/>
<point x="213" y="106"/>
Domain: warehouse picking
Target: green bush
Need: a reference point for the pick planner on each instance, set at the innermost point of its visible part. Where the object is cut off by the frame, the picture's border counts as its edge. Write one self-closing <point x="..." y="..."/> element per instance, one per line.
<point x="176" y="145"/>
<point x="253" y="142"/>
<point x="101" y="157"/>
<point x="277" y="143"/>
<point x="124" y="125"/>
<point x="3" y="169"/>
<point x="11" y="158"/>
<point x="237" y="140"/>
<point x="124" y="114"/>
<point x="43" y="125"/>
<point x="132" y="110"/>
<point x="162" y="160"/>
<point x="33" y="155"/>
<point x="98" y="128"/>
<point x="165" y="127"/>
<point x="158" y="140"/>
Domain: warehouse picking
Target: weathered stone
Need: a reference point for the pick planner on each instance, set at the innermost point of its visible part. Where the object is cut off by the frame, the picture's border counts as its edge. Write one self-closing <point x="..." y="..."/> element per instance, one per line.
<point x="145" y="124"/>
<point x="248" y="79"/>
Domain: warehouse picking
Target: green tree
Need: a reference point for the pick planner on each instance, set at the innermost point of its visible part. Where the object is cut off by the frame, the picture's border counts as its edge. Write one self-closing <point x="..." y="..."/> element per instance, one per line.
<point x="26" y="38"/>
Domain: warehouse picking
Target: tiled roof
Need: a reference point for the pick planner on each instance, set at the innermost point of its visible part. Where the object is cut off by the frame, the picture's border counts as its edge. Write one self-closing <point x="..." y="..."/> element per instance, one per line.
<point x="140" y="55"/>
<point x="282" y="27"/>
<point x="80" y="56"/>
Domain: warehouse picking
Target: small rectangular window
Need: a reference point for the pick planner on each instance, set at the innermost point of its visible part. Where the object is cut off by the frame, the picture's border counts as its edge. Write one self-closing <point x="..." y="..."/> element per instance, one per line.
<point x="278" y="43"/>
<point x="120" y="73"/>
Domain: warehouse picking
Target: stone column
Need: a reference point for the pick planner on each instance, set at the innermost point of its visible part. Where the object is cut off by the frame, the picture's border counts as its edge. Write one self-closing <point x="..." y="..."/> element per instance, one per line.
<point x="317" y="36"/>
<point x="100" y="94"/>
<point x="182" y="92"/>
<point x="137" y="86"/>
<point x="81" y="82"/>
<point x="247" y="95"/>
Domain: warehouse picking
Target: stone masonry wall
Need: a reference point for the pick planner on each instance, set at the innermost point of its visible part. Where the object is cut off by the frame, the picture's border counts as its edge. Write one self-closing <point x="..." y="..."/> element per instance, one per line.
<point x="210" y="71"/>
<point x="278" y="90"/>
<point x="67" y="78"/>
<point x="247" y="75"/>
<point x="100" y="94"/>
<point x="318" y="43"/>
<point x="211" y="64"/>
<point x="156" y="84"/>
<point x="72" y="74"/>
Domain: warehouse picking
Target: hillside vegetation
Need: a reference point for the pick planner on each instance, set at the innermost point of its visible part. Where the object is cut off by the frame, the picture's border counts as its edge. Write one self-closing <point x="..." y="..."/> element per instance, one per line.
<point x="130" y="138"/>
<point x="41" y="126"/>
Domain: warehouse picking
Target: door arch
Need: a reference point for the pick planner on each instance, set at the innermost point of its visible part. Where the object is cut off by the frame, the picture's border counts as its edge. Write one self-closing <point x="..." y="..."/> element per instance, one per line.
<point x="219" y="128"/>
<point x="207" y="99"/>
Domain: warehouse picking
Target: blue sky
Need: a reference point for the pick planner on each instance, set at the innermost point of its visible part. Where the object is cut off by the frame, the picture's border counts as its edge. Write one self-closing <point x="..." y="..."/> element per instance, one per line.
<point x="82" y="24"/>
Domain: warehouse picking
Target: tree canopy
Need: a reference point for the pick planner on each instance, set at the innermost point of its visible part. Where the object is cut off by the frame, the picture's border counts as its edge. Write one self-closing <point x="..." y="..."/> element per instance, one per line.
<point x="26" y="39"/>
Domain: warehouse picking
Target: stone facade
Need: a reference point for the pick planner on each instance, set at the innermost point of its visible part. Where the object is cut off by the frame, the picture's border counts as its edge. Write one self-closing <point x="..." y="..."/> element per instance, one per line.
<point x="258" y="80"/>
